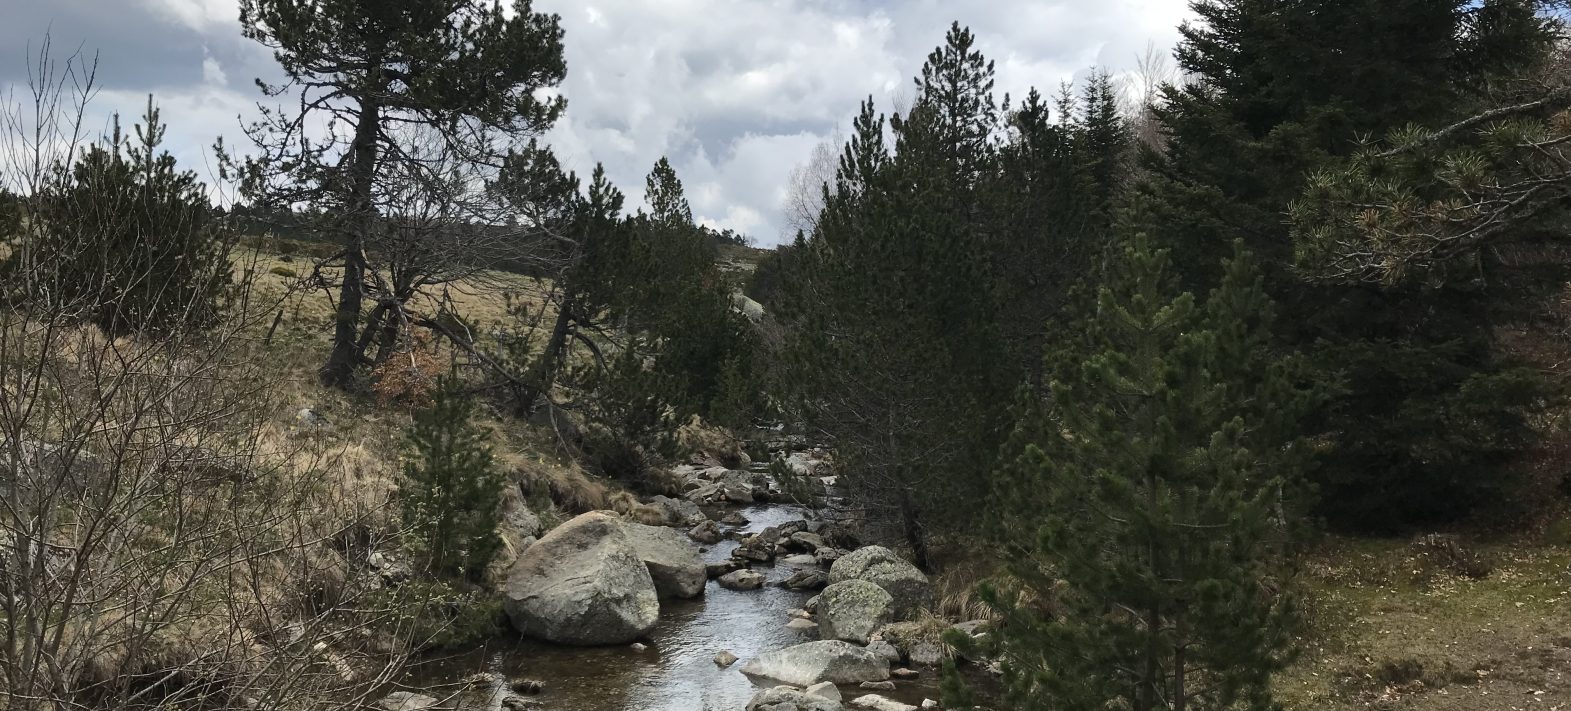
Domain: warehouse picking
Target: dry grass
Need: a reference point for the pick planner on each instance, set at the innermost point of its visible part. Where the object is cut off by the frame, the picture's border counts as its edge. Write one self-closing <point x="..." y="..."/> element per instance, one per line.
<point x="1388" y="631"/>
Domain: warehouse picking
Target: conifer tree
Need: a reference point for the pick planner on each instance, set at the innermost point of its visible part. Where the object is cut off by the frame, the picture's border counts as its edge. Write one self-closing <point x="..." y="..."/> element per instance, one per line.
<point x="127" y="239"/>
<point x="379" y="72"/>
<point x="1277" y="90"/>
<point x="451" y="488"/>
<point x="1148" y="499"/>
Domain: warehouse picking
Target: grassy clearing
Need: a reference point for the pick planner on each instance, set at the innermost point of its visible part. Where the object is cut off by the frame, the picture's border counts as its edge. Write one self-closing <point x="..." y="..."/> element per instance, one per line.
<point x="1390" y="629"/>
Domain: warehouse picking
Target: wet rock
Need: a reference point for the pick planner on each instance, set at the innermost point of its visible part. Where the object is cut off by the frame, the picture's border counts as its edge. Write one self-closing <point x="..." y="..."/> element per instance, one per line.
<point x="824" y="660"/>
<point x="638" y="646"/>
<point x="742" y="580"/>
<point x="805" y="541"/>
<point x="879" y="565"/>
<point x="755" y="550"/>
<point x="519" y="703"/>
<point x="800" y="559"/>
<point x="582" y="584"/>
<point x="852" y="610"/>
<point x="735" y="518"/>
<point x="707" y="533"/>
<point x="877" y="685"/>
<point x="929" y="704"/>
<point x="786" y="698"/>
<point x="715" y="570"/>
<point x="880" y="703"/>
<point x="801" y="625"/>
<point x="804" y="614"/>
<point x="407" y="701"/>
<point x="904" y="673"/>
<point x="811" y="605"/>
<point x="673" y="561"/>
<point x="825" y="689"/>
<point x="884" y="650"/>
<point x="808" y="464"/>
<point x="526" y="686"/>
<point x="806" y="580"/>
<point x="483" y="679"/>
<point x="725" y="658"/>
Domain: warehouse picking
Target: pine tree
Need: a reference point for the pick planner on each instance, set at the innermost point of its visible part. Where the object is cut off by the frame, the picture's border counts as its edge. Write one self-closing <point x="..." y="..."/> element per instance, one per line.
<point x="463" y="70"/>
<point x="451" y="487"/>
<point x="1148" y="498"/>
<point x="1277" y="91"/>
<point x="126" y="239"/>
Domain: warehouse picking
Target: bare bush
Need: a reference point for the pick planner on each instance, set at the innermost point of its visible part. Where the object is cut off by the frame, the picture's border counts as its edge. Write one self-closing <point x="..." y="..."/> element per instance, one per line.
<point x="158" y="548"/>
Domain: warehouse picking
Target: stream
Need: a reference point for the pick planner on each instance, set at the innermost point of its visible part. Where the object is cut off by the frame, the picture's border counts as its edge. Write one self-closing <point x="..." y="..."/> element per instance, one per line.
<point x="676" y="672"/>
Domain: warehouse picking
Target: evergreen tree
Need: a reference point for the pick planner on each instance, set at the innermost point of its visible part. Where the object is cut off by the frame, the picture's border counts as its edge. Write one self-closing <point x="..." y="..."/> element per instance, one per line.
<point x="125" y="238"/>
<point x="1278" y="90"/>
<point x="1148" y="501"/>
<point x="451" y="486"/>
<point x="386" y="70"/>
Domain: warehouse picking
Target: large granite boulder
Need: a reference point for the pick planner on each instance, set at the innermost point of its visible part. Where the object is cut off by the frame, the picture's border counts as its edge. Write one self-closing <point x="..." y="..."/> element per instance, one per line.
<point x="852" y="610"/>
<point x="813" y="662"/>
<point x="673" y="561"/>
<point x="879" y="565"/>
<point x="583" y="584"/>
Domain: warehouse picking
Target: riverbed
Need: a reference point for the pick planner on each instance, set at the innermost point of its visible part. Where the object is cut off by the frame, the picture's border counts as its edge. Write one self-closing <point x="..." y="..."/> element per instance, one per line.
<point x="675" y="671"/>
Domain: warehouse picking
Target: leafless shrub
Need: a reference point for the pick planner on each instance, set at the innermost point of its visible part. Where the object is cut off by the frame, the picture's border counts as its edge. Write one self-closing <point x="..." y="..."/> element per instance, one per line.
<point x="158" y="548"/>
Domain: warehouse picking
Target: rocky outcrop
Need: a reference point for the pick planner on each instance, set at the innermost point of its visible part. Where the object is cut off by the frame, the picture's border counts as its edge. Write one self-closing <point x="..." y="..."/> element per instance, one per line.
<point x="879" y="565"/>
<point x="673" y="561"/>
<point x="852" y="610"/>
<point x="582" y="584"/>
<point x="788" y="698"/>
<point x="813" y="662"/>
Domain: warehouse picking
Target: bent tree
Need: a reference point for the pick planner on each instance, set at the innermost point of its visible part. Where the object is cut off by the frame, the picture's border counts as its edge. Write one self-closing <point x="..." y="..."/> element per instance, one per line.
<point x="366" y="77"/>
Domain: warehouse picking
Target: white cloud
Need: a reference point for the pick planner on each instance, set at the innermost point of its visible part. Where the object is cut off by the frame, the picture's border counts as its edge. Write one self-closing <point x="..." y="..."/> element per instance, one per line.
<point x="735" y="92"/>
<point x="213" y="73"/>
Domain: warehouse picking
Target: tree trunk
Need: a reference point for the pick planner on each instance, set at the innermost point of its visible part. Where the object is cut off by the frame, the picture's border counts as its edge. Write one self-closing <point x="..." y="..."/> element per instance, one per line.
<point x="339" y="370"/>
<point x="544" y="370"/>
<point x="915" y="535"/>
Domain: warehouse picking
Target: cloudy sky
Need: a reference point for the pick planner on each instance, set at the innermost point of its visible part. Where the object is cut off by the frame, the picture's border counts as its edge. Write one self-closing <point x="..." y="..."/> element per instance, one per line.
<point x="735" y="92"/>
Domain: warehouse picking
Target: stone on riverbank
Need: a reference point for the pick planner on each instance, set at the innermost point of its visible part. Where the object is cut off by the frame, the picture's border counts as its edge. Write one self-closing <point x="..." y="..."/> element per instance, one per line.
<point x="707" y="533"/>
<point x="880" y="703"/>
<point x="826" y="689"/>
<point x="786" y="698"/>
<point x="582" y="584"/>
<point x="673" y="561"/>
<point x="813" y="662"/>
<point x="879" y="565"/>
<point x="852" y="610"/>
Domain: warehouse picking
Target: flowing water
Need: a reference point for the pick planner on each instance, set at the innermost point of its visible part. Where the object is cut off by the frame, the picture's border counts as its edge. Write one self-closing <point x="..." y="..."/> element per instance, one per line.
<point x="676" y="671"/>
